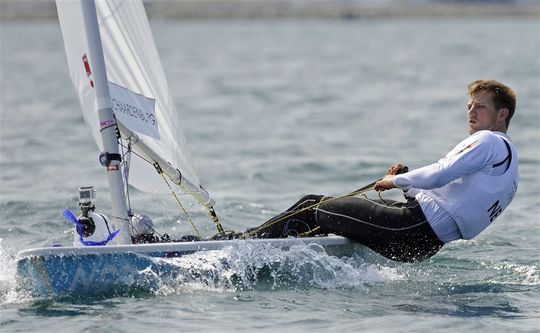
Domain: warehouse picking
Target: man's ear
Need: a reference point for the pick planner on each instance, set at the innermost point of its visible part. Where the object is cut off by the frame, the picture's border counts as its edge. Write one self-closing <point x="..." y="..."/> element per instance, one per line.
<point x="503" y="114"/>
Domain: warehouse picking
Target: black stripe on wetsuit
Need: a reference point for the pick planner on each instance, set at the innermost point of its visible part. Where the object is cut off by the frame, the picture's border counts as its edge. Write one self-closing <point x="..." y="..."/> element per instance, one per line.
<point x="396" y="230"/>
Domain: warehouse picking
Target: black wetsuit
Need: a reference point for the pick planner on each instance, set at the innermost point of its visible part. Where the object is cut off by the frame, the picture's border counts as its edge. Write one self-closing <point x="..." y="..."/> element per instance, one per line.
<point x="396" y="230"/>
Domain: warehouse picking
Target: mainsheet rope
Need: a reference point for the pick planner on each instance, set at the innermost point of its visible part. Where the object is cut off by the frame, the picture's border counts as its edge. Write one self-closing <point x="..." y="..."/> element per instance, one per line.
<point x="359" y="191"/>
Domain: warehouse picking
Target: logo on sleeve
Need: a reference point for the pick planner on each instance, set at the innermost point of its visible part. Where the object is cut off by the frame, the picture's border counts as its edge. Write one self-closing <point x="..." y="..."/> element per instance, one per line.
<point x="469" y="146"/>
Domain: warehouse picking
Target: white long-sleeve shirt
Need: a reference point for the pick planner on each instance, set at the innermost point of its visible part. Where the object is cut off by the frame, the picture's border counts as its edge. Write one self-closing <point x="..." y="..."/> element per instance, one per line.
<point x="454" y="193"/>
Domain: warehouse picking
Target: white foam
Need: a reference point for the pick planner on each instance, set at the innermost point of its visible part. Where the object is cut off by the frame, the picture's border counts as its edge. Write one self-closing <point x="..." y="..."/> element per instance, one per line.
<point x="8" y="280"/>
<point x="253" y="266"/>
<point x="516" y="274"/>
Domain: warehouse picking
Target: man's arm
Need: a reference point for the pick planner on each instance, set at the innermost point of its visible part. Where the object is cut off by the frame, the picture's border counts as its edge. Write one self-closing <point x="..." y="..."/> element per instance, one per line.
<point x="477" y="152"/>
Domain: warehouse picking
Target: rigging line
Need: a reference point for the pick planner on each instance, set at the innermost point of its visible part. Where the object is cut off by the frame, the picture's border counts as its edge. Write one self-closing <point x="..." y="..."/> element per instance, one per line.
<point x="212" y="214"/>
<point x="211" y="210"/>
<point x="139" y="155"/>
<point x="359" y="191"/>
<point x="126" y="159"/>
<point x="380" y="197"/>
<point x="362" y="190"/>
<point x="215" y="218"/>
<point x="119" y="218"/>
<point x="105" y="127"/>
<point x="158" y="168"/>
<point x="310" y="231"/>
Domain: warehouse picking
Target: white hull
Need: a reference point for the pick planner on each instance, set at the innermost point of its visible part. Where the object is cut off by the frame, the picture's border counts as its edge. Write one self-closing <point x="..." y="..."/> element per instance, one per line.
<point x="71" y="271"/>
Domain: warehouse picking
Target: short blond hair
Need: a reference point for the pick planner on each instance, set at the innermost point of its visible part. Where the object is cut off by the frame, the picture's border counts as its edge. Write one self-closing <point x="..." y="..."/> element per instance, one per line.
<point x="503" y="96"/>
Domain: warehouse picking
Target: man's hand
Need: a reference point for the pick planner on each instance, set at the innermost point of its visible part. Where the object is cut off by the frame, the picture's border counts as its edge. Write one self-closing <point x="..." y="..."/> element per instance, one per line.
<point x="386" y="183"/>
<point x="396" y="169"/>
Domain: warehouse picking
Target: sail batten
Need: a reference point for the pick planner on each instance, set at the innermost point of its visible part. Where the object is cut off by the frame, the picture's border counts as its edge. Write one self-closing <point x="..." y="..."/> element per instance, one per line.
<point x="138" y="86"/>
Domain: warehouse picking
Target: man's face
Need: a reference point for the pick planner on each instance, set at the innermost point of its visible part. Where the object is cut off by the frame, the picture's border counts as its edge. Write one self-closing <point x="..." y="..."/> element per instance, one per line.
<point x="482" y="114"/>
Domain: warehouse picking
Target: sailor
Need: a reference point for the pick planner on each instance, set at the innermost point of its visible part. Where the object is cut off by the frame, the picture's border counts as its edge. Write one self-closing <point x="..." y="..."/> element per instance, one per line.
<point x="454" y="198"/>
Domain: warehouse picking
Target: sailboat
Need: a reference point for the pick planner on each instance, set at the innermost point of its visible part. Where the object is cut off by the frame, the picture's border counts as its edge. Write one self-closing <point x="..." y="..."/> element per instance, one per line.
<point x="125" y="100"/>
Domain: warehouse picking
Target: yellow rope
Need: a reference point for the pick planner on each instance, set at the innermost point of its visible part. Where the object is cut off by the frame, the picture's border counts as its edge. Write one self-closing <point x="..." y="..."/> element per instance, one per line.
<point x="362" y="190"/>
<point x="181" y="206"/>
<point x="211" y="210"/>
<point x="212" y="213"/>
<point x="215" y="218"/>
<point x="310" y="231"/>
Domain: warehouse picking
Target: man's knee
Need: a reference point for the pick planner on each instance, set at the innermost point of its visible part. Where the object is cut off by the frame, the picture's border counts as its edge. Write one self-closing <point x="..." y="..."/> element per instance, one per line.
<point x="312" y="197"/>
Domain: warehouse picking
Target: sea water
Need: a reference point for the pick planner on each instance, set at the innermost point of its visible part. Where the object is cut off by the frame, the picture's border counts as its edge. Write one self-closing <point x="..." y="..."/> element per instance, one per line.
<point x="273" y="110"/>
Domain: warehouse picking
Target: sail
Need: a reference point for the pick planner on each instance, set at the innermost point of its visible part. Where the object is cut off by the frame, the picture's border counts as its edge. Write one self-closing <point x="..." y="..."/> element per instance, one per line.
<point x="140" y="97"/>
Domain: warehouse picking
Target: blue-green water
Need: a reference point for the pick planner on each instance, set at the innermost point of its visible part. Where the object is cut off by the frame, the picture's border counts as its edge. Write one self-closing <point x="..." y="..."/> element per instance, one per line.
<point x="275" y="110"/>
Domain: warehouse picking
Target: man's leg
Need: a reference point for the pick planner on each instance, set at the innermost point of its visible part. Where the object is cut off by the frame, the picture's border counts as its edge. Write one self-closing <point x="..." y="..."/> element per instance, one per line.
<point x="296" y="221"/>
<point x="396" y="230"/>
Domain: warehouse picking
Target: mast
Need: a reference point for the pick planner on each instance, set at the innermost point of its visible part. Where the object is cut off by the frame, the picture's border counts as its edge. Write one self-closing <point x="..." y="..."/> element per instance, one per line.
<point x="111" y="157"/>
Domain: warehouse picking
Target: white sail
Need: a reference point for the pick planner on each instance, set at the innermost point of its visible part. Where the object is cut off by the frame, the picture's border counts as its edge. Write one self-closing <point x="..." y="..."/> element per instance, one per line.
<point x="140" y="96"/>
